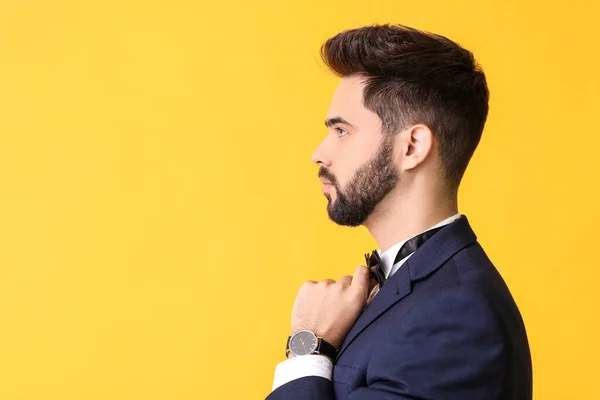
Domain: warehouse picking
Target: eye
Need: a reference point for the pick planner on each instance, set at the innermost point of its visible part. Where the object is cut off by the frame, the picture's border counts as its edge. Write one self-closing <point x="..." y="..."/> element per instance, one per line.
<point x="342" y="132"/>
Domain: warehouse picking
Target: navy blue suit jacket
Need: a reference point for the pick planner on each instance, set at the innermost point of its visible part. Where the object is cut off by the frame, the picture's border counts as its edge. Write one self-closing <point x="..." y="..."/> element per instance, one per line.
<point x="443" y="327"/>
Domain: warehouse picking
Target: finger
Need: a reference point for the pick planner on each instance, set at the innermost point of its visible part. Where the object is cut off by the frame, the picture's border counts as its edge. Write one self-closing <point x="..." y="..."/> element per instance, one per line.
<point x="308" y="283"/>
<point x="345" y="280"/>
<point x="372" y="294"/>
<point x="327" y="282"/>
<point x="360" y="281"/>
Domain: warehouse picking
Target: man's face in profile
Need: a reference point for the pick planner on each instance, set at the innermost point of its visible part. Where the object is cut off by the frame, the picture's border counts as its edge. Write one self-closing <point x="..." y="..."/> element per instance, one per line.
<point x="355" y="158"/>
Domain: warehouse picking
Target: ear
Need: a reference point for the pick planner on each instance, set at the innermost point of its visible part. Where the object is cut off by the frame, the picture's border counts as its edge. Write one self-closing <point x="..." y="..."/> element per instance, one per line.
<point x="414" y="144"/>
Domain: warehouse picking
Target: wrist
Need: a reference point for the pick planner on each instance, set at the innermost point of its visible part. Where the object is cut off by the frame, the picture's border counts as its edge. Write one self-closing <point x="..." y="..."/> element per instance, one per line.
<point x="306" y="342"/>
<point x="328" y="336"/>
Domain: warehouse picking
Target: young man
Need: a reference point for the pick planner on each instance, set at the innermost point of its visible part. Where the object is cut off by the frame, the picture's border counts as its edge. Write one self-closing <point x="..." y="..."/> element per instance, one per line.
<point x="430" y="318"/>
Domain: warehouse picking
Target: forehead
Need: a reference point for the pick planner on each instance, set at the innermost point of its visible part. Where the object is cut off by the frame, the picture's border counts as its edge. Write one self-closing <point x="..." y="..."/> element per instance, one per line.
<point x="347" y="102"/>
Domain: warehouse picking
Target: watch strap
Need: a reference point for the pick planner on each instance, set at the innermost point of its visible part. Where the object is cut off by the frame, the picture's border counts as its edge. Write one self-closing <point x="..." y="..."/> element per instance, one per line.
<point x="326" y="349"/>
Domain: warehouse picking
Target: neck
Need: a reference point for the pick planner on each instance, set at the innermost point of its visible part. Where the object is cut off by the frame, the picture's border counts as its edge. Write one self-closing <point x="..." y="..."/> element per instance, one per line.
<point x="398" y="218"/>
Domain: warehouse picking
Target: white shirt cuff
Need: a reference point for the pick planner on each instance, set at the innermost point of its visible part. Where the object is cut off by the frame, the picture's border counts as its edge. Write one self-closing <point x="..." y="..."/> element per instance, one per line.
<point x="299" y="367"/>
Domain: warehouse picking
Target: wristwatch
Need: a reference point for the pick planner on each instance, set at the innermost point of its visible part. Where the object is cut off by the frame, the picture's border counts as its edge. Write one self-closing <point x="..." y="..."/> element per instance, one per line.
<point x="302" y="343"/>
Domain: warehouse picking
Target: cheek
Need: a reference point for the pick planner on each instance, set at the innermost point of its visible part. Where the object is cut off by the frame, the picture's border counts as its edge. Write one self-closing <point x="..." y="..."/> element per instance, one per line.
<point x="352" y="157"/>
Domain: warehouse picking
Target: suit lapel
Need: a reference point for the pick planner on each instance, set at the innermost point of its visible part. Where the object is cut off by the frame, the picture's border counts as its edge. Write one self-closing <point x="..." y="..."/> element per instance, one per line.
<point x="397" y="287"/>
<point x="428" y="258"/>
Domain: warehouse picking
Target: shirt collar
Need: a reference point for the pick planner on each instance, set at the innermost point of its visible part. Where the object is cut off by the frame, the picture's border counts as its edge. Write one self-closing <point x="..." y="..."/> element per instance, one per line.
<point x="387" y="258"/>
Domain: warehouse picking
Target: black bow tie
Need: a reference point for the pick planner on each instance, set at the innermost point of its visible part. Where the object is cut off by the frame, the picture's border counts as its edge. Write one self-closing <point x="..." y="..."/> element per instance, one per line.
<point x="410" y="246"/>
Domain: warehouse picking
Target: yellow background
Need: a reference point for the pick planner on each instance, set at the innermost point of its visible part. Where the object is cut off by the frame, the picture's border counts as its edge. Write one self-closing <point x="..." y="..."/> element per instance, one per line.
<point x="159" y="210"/>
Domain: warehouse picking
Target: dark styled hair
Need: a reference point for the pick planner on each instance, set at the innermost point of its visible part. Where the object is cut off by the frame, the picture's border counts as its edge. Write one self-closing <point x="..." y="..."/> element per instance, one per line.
<point x="415" y="77"/>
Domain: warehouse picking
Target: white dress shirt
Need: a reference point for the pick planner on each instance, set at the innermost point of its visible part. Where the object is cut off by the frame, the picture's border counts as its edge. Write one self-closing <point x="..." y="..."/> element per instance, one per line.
<point x="316" y="365"/>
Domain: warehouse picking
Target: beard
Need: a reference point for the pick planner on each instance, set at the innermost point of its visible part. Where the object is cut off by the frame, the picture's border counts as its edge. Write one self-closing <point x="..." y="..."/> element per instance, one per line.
<point x="368" y="187"/>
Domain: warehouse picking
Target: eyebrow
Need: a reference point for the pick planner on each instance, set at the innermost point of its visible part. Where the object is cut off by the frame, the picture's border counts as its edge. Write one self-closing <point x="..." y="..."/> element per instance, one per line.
<point x="337" y="120"/>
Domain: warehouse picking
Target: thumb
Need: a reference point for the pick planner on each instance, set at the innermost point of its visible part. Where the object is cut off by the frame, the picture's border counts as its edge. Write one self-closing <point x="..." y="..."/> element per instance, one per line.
<point x="360" y="281"/>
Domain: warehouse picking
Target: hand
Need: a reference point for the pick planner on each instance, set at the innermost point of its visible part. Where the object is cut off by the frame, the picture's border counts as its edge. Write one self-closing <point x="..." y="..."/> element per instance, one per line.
<point x="330" y="308"/>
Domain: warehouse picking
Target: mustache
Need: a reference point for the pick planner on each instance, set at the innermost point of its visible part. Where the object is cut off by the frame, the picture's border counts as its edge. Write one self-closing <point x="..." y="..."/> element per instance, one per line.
<point x="326" y="174"/>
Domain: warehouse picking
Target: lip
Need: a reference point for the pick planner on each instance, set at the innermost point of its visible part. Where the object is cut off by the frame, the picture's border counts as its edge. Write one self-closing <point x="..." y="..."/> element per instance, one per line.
<point x="326" y="185"/>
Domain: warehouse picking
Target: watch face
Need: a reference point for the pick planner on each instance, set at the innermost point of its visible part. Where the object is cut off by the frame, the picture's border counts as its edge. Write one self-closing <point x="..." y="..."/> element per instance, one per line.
<point x="303" y="343"/>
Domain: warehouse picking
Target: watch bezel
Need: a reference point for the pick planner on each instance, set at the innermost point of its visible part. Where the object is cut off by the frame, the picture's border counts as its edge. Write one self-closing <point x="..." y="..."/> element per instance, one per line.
<point x="312" y="351"/>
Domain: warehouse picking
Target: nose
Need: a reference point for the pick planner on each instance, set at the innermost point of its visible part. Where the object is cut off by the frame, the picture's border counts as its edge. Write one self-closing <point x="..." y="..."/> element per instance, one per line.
<point x="320" y="157"/>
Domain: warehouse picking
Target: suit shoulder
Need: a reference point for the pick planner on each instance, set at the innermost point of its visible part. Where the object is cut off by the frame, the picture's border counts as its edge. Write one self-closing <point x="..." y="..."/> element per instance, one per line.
<point x="476" y="271"/>
<point x="468" y="274"/>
